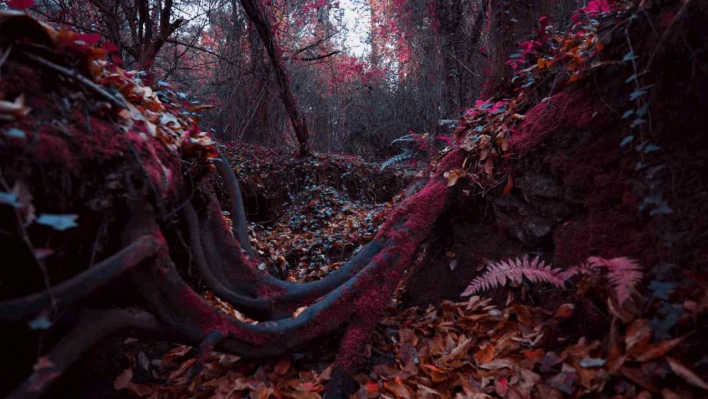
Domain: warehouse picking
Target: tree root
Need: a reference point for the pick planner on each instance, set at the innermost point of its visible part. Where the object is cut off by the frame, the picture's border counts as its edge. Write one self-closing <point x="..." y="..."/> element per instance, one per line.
<point x="238" y="212"/>
<point x="70" y="291"/>
<point x="93" y="326"/>
<point x="352" y="297"/>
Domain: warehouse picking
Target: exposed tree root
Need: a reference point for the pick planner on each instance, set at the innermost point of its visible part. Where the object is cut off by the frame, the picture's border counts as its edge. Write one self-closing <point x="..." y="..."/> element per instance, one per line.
<point x="70" y="291"/>
<point x="238" y="212"/>
<point x="351" y="297"/>
<point x="93" y="326"/>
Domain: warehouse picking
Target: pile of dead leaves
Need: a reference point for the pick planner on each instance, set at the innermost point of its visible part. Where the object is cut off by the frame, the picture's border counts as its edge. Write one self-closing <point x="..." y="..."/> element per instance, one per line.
<point x="472" y="349"/>
<point x="278" y="173"/>
<point x="319" y="229"/>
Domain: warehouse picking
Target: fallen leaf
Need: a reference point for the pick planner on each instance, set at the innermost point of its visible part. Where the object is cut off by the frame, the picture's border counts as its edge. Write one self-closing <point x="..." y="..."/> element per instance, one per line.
<point x="501" y="386"/>
<point x="565" y="311"/>
<point x="282" y="366"/>
<point x="16" y="107"/>
<point x="659" y="349"/>
<point x="489" y="167"/>
<point x="454" y="175"/>
<point x="686" y="373"/>
<point x="485" y="354"/>
<point x="298" y="311"/>
<point x="667" y="394"/>
<point x="123" y="379"/>
<point x="141" y="390"/>
<point x="497" y="364"/>
<point x="509" y="185"/>
<point x="638" y="335"/>
<point x="397" y="388"/>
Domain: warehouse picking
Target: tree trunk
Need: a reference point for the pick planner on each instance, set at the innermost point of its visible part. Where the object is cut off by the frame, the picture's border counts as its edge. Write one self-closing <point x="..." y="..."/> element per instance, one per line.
<point x="263" y="27"/>
<point x="510" y="22"/>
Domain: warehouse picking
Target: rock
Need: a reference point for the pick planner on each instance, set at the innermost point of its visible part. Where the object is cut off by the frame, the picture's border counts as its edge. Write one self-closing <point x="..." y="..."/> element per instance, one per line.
<point x="539" y="186"/>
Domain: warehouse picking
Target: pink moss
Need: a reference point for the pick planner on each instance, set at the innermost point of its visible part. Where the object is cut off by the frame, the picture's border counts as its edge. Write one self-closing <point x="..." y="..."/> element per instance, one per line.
<point x="565" y="110"/>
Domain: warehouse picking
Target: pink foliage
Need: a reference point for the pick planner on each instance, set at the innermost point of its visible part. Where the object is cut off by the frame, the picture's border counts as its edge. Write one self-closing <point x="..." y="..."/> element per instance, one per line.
<point x="20" y="4"/>
<point x="513" y="271"/>
<point x="624" y="274"/>
<point x="597" y="6"/>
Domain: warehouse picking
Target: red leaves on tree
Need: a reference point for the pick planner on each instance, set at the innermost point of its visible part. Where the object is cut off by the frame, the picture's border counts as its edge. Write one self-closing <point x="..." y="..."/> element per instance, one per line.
<point x="20" y="4"/>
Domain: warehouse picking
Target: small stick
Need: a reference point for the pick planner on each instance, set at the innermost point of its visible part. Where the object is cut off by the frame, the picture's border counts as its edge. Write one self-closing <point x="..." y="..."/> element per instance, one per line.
<point x="81" y="79"/>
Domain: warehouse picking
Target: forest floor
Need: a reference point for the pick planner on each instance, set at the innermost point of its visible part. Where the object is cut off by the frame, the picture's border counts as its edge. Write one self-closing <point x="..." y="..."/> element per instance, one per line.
<point x="503" y="345"/>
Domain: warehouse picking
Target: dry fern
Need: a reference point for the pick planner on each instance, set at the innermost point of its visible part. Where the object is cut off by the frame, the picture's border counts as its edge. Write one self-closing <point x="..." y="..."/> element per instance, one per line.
<point x="623" y="273"/>
<point x="498" y="273"/>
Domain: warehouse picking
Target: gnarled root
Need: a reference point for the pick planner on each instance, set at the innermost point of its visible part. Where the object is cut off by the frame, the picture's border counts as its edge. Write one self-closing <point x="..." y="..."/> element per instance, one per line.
<point x="238" y="211"/>
<point x="70" y="291"/>
<point x="93" y="326"/>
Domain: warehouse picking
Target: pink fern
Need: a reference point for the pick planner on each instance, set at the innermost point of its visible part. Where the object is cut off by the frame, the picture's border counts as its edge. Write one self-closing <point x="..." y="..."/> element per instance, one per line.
<point x="623" y="273"/>
<point x="498" y="273"/>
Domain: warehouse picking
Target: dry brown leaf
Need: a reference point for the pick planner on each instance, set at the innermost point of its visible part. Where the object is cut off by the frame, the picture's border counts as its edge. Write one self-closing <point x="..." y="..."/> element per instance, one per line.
<point x="326" y="373"/>
<point x="564" y="311"/>
<point x="659" y="349"/>
<point x="454" y="175"/>
<point x="140" y="389"/>
<point x="181" y="370"/>
<point x="638" y="336"/>
<point x="636" y="376"/>
<point x="686" y="373"/>
<point x="489" y="167"/>
<point x="16" y="108"/>
<point x="397" y="388"/>
<point x="298" y="311"/>
<point x="509" y="185"/>
<point x="497" y="364"/>
<point x="123" y="379"/>
<point x="174" y="354"/>
<point x="665" y="393"/>
<point x="282" y="366"/>
<point x="485" y="354"/>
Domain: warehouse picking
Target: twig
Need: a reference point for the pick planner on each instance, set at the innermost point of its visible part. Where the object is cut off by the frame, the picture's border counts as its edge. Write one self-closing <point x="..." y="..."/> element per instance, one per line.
<point x="81" y="79"/>
<point x="25" y="237"/>
<point x="4" y="56"/>
<point x="465" y="66"/>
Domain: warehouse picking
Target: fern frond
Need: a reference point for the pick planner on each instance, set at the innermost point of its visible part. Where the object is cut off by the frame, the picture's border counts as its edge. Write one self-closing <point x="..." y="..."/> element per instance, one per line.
<point x="623" y="273"/>
<point x="498" y="273"/>
<point x="584" y="268"/>
<point x="404" y="156"/>
<point x="406" y="138"/>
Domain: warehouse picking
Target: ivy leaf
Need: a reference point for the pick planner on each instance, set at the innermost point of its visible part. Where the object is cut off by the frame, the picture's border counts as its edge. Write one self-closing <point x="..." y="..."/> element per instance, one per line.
<point x="627" y="114"/>
<point x="15" y="133"/>
<point x="636" y="94"/>
<point x="626" y="141"/>
<point x="662" y="326"/>
<point x="637" y="122"/>
<point x="41" y="322"/>
<point x="651" y="148"/>
<point x="661" y="289"/>
<point x="629" y="57"/>
<point x="58" y="222"/>
<point x="9" y="199"/>
<point x="662" y="209"/>
<point x="515" y="56"/>
<point x="643" y="110"/>
<point x="631" y="78"/>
